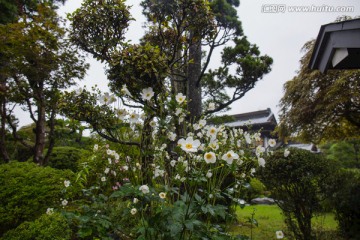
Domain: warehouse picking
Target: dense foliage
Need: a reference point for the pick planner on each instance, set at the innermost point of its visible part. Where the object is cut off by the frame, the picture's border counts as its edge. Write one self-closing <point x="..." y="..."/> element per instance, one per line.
<point x="298" y="180"/>
<point x="37" y="62"/>
<point x="52" y="226"/>
<point x="319" y="106"/>
<point x="26" y="191"/>
<point x="345" y="195"/>
<point x="347" y="152"/>
<point x="66" y="158"/>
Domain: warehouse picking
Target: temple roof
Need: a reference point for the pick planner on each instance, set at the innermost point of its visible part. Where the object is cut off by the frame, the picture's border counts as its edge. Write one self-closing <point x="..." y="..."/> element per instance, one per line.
<point x="255" y="119"/>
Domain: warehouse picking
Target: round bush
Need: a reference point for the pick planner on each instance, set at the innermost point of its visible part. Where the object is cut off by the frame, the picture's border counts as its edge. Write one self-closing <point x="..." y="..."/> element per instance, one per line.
<point x="27" y="190"/>
<point x="66" y="158"/>
<point x="46" y="227"/>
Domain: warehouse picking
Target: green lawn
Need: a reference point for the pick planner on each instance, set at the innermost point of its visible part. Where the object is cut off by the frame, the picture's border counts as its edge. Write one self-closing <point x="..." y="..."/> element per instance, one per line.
<point x="270" y="220"/>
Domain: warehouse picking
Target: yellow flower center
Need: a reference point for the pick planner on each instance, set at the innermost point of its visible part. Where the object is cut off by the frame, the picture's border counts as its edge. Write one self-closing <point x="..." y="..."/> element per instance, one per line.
<point x="212" y="131"/>
<point x="229" y="155"/>
<point x="208" y="156"/>
<point x="188" y="146"/>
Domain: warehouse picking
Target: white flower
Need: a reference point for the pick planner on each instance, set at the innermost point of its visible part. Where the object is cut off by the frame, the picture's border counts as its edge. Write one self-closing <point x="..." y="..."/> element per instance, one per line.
<point x="189" y="145"/>
<point x="134" y="118"/>
<point x="158" y="172"/>
<point x="272" y="142"/>
<point x="180" y="98"/>
<point x="135" y="200"/>
<point x="133" y="211"/>
<point x="257" y="136"/>
<point x="247" y="138"/>
<point x="107" y="98"/>
<point x="259" y="150"/>
<point x="286" y="153"/>
<point x="147" y="94"/>
<point x="66" y="183"/>
<point x="261" y="162"/>
<point x="144" y="188"/>
<point x="209" y="174"/>
<point x="172" y="136"/>
<point x="212" y="131"/>
<point x="153" y="123"/>
<point x="64" y="202"/>
<point x="211" y="106"/>
<point x="121" y="113"/>
<point x="96" y="147"/>
<point x="49" y="211"/>
<point x="103" y="179"/>
<point x="210" y="157"/>
<point x="107" y="170"/>
<point x="214" y="144"/>
<point x="162" y="195"/>
<point x="252" y="171"/>
<point x="279" y="234"/>
<point x="172" y="163"/>
<point x="177" y="177"/>
<point x="230" y="156"/>
<point x="241" y="202"/>
<point x="125" y="91"/>
<point x="125" y="168"/>
<point x="178" y="111"/>
<point x="202" y="123"/>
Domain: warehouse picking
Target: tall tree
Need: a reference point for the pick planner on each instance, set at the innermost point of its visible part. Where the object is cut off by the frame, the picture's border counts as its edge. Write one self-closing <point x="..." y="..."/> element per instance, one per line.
<point x="171" y="54"/>
<point x="319" y="106"/>
<point x="10" y="11"/>
<point x="40" y="64"/>
<point x="181" y="30"/>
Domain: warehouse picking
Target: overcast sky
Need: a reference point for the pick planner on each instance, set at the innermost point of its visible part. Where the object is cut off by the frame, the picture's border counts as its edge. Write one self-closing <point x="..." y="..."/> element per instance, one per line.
<point x="279" y="27"/>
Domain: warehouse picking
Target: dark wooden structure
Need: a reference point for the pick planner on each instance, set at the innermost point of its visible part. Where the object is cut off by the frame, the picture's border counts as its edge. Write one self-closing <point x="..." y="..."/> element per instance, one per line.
<point x="337" y="46"/>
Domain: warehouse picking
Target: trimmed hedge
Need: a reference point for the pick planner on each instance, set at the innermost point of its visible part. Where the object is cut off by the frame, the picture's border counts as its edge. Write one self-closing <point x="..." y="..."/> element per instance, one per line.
<point x="27" y="190"/>
<point x="46" y="227"/>
<point x="66" y="158"/>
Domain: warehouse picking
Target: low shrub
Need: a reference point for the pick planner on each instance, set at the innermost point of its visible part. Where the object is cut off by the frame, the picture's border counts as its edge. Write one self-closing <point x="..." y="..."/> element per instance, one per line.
<point x="46" y="227"/>
<point x="27" y="190"/>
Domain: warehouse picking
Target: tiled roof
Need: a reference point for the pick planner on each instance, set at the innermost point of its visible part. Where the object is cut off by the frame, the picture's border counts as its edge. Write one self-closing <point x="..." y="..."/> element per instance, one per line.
<point x="253" y="118"/>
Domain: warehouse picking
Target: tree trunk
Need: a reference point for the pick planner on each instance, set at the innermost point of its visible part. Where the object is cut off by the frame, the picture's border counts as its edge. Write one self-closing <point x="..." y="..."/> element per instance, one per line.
<point x="147" y="158"/>
<point x="193" y="83"/>
<point x="40" y="135"/>
<point x="3" y="150"/>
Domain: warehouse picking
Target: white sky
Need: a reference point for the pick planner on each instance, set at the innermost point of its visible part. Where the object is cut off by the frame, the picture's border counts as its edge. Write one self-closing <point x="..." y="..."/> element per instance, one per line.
<point x="280" y="35"/>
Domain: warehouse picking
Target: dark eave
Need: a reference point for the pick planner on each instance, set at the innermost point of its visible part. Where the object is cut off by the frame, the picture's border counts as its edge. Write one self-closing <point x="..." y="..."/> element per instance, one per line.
<point x="337" y="46"/>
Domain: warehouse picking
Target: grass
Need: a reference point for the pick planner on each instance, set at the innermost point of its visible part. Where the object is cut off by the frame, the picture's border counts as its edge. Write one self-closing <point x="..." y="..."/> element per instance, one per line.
<point x="270" y="220"/>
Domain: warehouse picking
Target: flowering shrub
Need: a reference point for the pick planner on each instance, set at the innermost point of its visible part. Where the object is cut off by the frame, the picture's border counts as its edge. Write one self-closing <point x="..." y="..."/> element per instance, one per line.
<point x="181" y="183"/>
